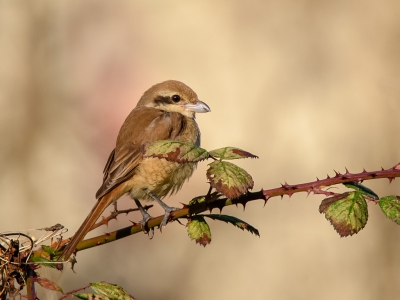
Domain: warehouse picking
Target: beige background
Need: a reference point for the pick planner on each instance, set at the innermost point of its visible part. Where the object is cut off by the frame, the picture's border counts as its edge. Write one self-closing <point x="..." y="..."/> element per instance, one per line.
<point x="309" y="86"/>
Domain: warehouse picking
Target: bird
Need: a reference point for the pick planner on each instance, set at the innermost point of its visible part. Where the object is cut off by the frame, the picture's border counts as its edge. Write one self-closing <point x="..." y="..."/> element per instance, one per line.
<point x="166" y="111"/>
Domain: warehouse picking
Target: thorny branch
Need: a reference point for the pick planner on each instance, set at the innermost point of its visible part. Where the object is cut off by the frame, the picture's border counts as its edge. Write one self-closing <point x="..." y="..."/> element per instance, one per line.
<point x="314" y="187"/>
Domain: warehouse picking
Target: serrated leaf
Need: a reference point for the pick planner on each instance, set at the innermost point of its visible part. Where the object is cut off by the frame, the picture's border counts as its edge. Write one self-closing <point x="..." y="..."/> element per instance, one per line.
<point x="234" y="221"/>
<point x="48" y="284"/>
<point x="347" y="212"/>
<point x="199" y="230"/>
<point x="176" y="151"/>
<point x="44" y="262"/>
<point x="92" y="297"/>
<point x="390" y="206"/>
<point x="229" y="179"/>
<point x="110" y="290"/>
<point x="231" y="153"/>
<point x="361" y="188"/>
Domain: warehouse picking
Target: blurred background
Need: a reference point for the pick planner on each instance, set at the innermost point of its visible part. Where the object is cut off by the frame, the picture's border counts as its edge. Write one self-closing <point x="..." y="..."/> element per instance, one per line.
<point x="309" y="86"/>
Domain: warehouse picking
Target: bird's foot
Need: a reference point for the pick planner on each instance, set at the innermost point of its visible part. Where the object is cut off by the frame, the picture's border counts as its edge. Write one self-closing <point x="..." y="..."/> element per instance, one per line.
<point x="168" y="210"/>
<point x="145" y="227"/>
<point x="146" y="218"/>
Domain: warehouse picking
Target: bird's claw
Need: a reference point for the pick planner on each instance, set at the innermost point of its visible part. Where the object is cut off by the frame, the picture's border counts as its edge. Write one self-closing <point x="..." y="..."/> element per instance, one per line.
<point x="144" y="226"/>
<point x="167" y="215"/>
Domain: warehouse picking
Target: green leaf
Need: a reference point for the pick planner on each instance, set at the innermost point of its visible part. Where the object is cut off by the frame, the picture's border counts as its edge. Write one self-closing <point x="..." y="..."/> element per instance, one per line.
<point x="347" y="212"/>
<point x="361" y="188"/>
<point x="198" y="199"/>
<point x="229" y="179"/>
<point x="209" y="198"/>
<point x="43" y="262"/>
<point x="49" y="250"/>
<point x="390" y="206"/>
<point x="176" y="151"/>
<point x="199" y="230"/>
<point x="234" y="221"/>
<point x="231" y="153"/>
<point x="111" y="291"/>
<point x="93" y="297"/>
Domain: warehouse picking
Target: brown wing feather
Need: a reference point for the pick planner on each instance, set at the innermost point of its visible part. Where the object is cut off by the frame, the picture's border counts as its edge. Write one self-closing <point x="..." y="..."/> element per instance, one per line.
<point x="150" y="125"/>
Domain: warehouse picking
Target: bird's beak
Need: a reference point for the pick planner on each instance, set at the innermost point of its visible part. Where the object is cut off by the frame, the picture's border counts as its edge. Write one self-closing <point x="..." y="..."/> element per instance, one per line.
<point x="197" y="107"/>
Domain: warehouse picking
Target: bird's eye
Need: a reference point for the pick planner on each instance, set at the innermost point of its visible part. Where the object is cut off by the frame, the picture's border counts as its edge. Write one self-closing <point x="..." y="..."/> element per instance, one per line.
<point x="176" y="98"/>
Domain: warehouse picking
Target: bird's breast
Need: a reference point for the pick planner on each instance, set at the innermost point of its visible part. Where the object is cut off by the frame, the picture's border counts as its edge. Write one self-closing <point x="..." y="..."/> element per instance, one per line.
<point x="159" y="177"/>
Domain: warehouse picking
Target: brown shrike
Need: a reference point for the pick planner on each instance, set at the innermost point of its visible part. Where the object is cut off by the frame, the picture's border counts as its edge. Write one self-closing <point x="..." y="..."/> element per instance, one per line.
<point x="166" y="111"/>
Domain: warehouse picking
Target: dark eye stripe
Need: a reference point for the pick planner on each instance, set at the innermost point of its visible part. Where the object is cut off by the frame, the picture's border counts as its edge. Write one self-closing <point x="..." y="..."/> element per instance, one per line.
<point x="160" y="100"/>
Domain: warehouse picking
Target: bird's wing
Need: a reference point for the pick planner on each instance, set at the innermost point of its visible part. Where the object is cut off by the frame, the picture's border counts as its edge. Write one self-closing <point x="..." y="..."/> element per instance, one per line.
<point x="143" y="126"/>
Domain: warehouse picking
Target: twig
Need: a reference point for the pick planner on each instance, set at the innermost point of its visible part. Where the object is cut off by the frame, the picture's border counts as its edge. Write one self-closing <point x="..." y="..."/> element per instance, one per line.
<point x="115" y="213"/>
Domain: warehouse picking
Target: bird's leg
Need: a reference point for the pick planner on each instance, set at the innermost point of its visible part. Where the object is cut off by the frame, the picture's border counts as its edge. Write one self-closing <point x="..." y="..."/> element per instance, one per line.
<point x="168" y="210"/>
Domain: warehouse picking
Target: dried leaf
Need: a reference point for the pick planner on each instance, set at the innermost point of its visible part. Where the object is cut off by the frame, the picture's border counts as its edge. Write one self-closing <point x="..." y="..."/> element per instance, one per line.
<point x="48" y="284"/>
<point x="390" y="206"/>
<point x="199" y="230"/>
<point x="176" y="151"/>
<point x="234" y="221"/>
<point x="231" y="153"/>
<point x="229" y="179"/>
<point x="110" y="290"/>
<point x="361" y="188"/>
<point x="347" y="212"/>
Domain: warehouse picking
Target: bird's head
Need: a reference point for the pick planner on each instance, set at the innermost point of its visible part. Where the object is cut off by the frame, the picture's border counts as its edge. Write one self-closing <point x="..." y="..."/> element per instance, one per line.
<point x="173" y="96"/>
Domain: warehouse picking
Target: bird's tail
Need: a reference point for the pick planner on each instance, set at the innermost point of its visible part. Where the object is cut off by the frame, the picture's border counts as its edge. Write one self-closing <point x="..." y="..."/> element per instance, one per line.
<point x="90" y="220"/>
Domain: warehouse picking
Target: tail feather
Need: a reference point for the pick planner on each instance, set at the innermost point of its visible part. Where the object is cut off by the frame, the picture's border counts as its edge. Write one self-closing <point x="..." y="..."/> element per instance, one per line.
<point x="90" y="220"/>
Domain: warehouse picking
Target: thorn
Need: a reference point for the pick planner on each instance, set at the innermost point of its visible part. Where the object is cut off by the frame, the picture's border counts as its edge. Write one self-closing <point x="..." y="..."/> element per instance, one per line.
<point x="266" y="200"/>
<point x="104" y="219"/>
<point x="290" y="194"/>
<point x="244" y="206"/>
<point x="308" y="192"/>
<point x="281" y="197"/>
<point x="364" y="171"/>
<point x="390" y="179"/>
<point x="134" y="223"/>
<point x="327" y="176"/>
<point x="347" y="171"/>
<point x="382" y="169"/>
<point x="317" y="179"/>
<point x="336" y="174"/>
